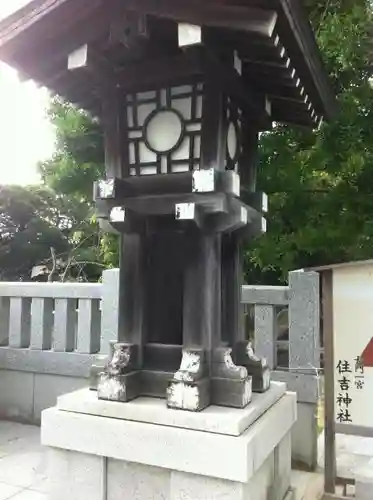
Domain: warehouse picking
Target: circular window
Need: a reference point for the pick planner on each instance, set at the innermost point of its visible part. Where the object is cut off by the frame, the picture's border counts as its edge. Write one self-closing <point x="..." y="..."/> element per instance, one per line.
<point x="164" y="130"/>
<point x="232" y="142"/>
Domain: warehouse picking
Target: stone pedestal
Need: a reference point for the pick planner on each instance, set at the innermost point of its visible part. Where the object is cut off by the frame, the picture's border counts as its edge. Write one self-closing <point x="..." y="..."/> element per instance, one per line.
<point x="364" y="482"/>
<point x="143" y="451"/>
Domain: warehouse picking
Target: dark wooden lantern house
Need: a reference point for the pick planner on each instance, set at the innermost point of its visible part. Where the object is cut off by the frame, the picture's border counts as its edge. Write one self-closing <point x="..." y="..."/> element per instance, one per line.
<point x="182" y="89"/>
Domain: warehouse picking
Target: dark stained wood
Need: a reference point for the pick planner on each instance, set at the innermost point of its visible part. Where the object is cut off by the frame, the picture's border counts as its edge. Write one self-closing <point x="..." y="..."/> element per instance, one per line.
<point x="49" y="18"/>
<point x="96" y="66"/>
<point x="221" y="74"/>
<point x="43" y="53"/>
<point x="155" y="72"/>
<point x="294" y="27"/>
<point x="288" y="89"/>
<point x="165" y="204"/>
<point x="114" y="124"/>
<point x="131" y="289"/>
<point x="264" y="70"/>
<point x="164" y="284"/>
<point x="263" y="51"/>
<point x="180" y="273"/>
<point x="162" y="357"/>
<point x="248" y="163"/>
<point x="51" y="29"/>
<point x="329" y="416"/>
<point x="154" y="383"/>
<point x="166" y="184"/>
<point x="232" y="280"/>
<point x="213" y="131"/>
<point x="215" y="14"/>
<point x="202" y="291"/>
<point x="129" y="30"/>
<point x="297" y="110"/>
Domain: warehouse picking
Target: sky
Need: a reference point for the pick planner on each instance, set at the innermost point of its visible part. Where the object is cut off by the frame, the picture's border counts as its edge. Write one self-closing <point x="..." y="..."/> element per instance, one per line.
<point x="26" y="136"/>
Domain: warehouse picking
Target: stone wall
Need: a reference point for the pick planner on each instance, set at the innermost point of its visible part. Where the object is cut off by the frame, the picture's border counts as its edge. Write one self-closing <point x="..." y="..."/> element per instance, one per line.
<point x="50" y="335"/>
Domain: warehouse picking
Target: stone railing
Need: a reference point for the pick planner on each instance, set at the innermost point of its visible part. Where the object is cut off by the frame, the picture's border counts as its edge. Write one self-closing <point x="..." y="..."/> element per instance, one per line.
<point x="49" y="327"/>
<point x="302" y="349"/>
<point x="51" y="333"/>
<point x="49" y="337"/>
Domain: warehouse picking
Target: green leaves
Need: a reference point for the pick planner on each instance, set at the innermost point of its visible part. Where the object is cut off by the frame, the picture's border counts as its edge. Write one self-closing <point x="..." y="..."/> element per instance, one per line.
<point x="77" y="163"/>
<point x="321" y="183"/>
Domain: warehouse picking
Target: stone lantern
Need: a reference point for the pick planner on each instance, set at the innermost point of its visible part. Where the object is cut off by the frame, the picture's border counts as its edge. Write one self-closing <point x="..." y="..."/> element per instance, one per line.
<point x="182" y="89"/>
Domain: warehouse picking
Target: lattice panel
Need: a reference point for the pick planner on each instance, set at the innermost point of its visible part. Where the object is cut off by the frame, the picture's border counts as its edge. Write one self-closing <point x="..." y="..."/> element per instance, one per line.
<point x="164" y="130"/>
<point x="233" y="136"/>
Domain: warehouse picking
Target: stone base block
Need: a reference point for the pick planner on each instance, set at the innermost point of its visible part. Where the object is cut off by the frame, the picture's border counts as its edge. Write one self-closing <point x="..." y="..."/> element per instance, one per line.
<point x="191" y="396"/>
<point x="154" y="383"/>
<point x="154" y="411"/>
<point x="100" y="457"/>
<point x="121" y="388"/>
<point x="364" y="482"/>
<point x="231" y="393"/>
<point x="261" y="379"/>
<point x="78" y="476"/>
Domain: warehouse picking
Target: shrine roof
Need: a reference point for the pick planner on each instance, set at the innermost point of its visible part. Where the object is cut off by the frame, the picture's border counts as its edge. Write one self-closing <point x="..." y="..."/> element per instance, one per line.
<point x="273" y="39"/>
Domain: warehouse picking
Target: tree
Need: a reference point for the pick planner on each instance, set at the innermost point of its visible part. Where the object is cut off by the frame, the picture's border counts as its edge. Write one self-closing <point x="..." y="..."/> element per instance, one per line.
<point x="31" y="222"/>
<point x="79" y="161"/>
<point x="321" y="183"/>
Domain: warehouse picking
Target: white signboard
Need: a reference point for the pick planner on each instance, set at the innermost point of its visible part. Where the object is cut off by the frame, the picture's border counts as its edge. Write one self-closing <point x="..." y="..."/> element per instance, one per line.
<point x="353" y="344"/>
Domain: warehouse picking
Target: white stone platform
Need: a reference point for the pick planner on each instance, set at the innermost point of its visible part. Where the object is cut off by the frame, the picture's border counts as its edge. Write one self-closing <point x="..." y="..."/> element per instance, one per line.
<point x="24" y="474"/>
<point x="214" y="419"/>
<point x="220" y="453"/>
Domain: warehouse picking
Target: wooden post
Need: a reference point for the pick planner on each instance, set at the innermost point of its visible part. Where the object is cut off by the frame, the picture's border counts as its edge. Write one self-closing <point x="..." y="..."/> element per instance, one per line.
<point x="232" y="280"/>
<point x="213" y="129"/>
<point x="114" y="120"/>
<point x="202" y="293"/>
<point x="130" y="322"/>
<point x="249" y="157"/>
<point x="329" y="419"/>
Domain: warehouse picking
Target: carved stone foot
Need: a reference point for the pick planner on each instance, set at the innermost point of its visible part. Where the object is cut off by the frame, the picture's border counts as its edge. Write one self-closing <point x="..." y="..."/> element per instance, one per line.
<point x="190" y="389"/>
<point x="119" y="381"/>
<point x="192" y="366"/>
<point x="230" y="384"/>
<point x="256" y="367"/>
<point x="190" y="396"/>
<point x="121" y="388"/>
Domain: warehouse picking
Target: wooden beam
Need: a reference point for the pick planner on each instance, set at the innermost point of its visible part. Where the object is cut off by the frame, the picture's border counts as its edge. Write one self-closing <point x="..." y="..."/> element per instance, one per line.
<point x="274" y="88"/>
<point x="329" y="416"/>
<point x="261" y="50"/>
<point x="129" y="29"/>
<point x="294" y="29"/>
<point x="189" y="34"/>
<point x="158" y="71"/>
<point x="209" y="14"/>
<point x="43" y="56"/>
<point x="292" y="111"/>
<point x="163" y="357"/>
<point x="213" y="138"/>
<point x="85" y="58"/>
<point x="24" y="25"/>
<point x="114" y="122"/>
<point x="275" y="71"/>
<point x="229" y="79"/>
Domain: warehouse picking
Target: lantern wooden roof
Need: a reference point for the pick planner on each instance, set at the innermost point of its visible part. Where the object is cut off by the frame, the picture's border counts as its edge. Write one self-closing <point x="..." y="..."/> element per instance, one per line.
<point x="134" y="43"/>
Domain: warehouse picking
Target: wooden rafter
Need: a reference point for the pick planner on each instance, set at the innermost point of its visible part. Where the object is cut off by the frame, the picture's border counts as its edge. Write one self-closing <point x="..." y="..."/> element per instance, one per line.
<point x="272" y="38"/>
